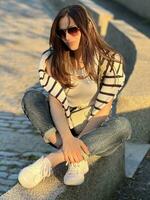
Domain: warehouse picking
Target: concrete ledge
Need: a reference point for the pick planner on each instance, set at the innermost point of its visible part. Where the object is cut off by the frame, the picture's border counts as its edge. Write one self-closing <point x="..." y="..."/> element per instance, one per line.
<point x="134" y="99"/>
<point x="101" y="181"/>
<point x="139" y="7"/>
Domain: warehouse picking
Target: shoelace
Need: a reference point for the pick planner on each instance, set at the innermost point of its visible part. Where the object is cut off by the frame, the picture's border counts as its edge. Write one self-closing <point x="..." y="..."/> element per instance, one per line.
<point x="46" y="168"/>
<point x="74" y="168"/>
<point x="85" y="157"/>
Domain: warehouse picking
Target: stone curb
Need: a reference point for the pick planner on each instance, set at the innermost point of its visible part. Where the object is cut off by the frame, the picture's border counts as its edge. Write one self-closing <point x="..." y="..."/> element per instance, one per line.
<point x="96" y="184"/>
<point x="139" y="7"/>
<point x="134" y="99"/>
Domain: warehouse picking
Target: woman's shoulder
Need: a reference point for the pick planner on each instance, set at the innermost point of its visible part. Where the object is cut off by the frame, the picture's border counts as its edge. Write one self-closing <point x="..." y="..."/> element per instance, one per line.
<point x="47" y="53"/>
<point x="116" y="56"/>
<point x="46" y="60"/>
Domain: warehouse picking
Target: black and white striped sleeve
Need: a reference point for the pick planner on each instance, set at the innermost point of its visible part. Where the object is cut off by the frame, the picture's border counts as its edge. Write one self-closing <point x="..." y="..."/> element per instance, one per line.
<point x="111" y="84"/>
<point x="51" y="85"/>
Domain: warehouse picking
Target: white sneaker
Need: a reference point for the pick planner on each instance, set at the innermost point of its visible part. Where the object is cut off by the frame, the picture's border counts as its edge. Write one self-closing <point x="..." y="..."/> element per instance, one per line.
<point x="75" y="173"/>
<point x="33" y="174"/>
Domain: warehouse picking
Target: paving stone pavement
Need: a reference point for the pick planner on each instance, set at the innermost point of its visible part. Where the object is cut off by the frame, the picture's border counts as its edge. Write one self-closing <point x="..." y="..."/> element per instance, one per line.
<point x="12" y="161"/>
<point x="10" y="165"/>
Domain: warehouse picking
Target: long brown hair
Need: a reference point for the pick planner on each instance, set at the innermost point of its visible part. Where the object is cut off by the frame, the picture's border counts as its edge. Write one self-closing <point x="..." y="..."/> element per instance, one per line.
<point x="92" y="44"/>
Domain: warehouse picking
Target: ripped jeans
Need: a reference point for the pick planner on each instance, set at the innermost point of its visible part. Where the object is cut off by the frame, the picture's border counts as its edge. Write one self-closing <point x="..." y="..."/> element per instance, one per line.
<point x="102" y="141"/>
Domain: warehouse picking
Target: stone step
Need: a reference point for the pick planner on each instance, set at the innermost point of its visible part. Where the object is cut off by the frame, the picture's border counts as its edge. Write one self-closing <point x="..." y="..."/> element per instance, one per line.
<point x="134" y="99"/>
<point x="137" y="6"/>
<point x="104" y="176"/>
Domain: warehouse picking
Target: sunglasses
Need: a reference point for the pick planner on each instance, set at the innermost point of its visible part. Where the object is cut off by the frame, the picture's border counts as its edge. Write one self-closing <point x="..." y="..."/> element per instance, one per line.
<point x="61" y="33"/>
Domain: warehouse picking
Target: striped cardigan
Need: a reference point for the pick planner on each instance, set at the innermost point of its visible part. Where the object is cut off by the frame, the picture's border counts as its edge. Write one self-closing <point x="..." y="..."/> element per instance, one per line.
<point x="108" y="90"/>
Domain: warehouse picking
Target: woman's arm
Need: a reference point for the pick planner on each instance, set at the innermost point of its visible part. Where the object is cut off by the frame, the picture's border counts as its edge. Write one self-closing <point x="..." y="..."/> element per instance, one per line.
<point x="72" y="147"/>
<point x="110" y="84"/>
<point x="96" y="120"/>
<point x="107" y="94"/>
<point x="59" y="118"/>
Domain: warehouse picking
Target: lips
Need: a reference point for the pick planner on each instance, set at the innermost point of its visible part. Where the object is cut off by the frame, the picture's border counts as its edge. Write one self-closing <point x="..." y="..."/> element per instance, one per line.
<point x="70" y="43"/>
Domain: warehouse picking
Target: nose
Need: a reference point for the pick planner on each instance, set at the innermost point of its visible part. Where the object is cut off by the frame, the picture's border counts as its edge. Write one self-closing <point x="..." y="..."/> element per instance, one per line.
<point x="67" y="36"/>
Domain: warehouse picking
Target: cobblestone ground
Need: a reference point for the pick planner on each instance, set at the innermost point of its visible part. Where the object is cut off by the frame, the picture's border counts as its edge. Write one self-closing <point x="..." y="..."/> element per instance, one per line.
<point x="12" y="161"/>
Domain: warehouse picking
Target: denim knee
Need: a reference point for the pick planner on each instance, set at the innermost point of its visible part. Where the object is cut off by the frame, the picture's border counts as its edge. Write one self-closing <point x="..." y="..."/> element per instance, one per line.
<point x="36" y="107"/>
<point x="30" y="99"/>
<point x="124" y="124"/>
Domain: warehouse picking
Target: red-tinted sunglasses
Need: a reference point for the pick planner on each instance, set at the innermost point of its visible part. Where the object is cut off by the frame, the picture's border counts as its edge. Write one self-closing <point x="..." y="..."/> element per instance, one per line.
<point x="61" y="33"/>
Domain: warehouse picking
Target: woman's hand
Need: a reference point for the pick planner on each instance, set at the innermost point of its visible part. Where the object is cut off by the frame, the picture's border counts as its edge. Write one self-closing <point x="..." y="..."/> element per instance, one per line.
<point x="73" y="149"/>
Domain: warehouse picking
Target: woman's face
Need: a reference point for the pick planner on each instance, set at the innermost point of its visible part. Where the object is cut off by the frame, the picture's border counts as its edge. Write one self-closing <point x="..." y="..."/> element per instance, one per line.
<point x="71" y="40"/>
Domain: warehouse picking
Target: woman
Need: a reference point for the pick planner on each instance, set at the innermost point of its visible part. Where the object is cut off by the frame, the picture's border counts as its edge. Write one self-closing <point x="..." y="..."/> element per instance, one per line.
<point x="81" y="75"/>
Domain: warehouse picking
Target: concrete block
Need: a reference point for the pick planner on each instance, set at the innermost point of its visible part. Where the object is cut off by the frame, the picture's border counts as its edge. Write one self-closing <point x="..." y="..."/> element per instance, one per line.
<point x="101" y="181"/>
<point x="134" y="99"/>
<point x="134" y="154"/>
<point x="139" y="7"/>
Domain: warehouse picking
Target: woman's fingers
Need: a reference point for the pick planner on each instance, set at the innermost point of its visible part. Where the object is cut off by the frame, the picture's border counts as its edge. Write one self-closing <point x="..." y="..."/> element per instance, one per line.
<point x="80" y="157"/>
<point x="66" y="158"/>
<point x="84" y="147"/>
<point x="76" y="158"/>
<point x="71" y="158"/>
<point x="76" y="153"/>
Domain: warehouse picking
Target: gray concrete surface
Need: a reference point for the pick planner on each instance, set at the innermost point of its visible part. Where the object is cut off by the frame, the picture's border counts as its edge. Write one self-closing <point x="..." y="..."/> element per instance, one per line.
<point x="134" y="99"/>
<point x="141" y="8"/>
<point x="120" y="12"/>
<point x="100" y="182"/>
<point x="134" y="154"/>
<point x="138" y="187"/>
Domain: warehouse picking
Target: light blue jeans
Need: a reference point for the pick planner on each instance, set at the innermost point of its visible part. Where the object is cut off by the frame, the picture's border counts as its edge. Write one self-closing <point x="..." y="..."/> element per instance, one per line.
<point x="103" y="141"/>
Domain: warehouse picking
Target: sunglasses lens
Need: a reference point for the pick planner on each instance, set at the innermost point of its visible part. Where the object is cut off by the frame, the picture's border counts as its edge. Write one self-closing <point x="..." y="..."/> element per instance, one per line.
<point x="73" y="30"/>
<point x="62" y="33"/>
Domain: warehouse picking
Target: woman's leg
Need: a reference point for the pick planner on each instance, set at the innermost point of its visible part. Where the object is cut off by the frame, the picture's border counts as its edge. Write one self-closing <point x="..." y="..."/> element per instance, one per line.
<point x="100" y="141"/>
<point x="36" y="107"/>
<point x="107" y="138"/>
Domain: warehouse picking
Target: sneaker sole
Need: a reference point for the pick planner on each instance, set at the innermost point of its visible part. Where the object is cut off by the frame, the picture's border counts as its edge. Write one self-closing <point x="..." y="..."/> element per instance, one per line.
<point x="73" y="183"/>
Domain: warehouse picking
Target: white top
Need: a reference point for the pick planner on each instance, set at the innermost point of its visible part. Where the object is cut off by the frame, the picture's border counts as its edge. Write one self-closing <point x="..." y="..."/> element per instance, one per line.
<point x="112" y="82"/>
<point x="84" y="92"/>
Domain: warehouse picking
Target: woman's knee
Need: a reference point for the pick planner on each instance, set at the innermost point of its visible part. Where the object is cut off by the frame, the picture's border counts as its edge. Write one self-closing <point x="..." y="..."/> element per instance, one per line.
<point x="124" y="126"/>
<point x="32" y="99"/>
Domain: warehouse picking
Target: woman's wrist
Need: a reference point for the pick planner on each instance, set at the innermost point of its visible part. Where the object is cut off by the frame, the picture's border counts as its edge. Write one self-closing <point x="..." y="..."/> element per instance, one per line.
<point x="66" y="137"/>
